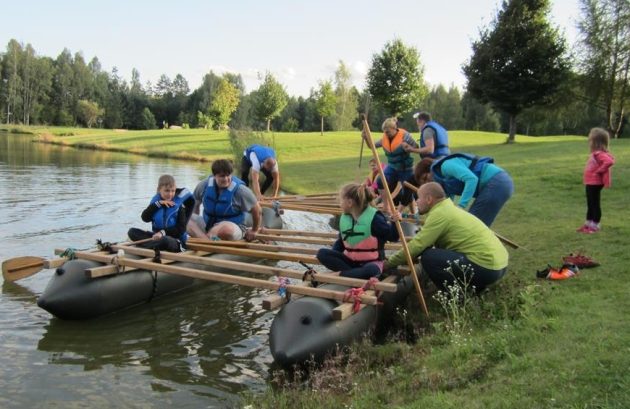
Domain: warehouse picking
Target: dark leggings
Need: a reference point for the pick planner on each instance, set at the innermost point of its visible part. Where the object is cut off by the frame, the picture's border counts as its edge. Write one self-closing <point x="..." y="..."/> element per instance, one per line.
<point x="445" y="266"/>
<point x="593" y="202"/>
<point x="166" y="243"/>
<point x="246" y="166"/>
<point x="336" y="261"/>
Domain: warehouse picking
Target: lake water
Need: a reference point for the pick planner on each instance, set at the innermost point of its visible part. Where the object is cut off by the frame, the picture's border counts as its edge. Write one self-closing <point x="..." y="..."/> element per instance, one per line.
<point x="201" y="347"/>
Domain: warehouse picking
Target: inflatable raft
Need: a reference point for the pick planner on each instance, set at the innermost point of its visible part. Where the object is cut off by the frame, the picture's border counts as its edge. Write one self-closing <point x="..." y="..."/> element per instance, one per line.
<point x="304" y="330"/>
<point x="72" y="295"/>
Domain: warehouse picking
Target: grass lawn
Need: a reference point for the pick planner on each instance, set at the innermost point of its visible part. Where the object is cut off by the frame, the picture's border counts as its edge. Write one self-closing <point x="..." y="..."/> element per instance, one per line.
<point x="526" y="343"/>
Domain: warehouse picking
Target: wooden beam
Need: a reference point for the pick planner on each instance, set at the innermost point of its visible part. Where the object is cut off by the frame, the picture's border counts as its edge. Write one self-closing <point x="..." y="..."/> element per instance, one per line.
<point x="346" y="309"/>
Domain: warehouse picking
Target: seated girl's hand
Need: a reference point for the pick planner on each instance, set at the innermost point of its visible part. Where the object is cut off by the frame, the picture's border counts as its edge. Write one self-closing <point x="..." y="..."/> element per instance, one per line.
<point x="395" y="216"/>
<point x="157" y="236"/>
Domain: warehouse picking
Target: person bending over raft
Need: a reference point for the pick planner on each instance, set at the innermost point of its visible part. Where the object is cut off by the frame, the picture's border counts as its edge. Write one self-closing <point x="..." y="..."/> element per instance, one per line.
<point x="470" y="176"/>
<point x="169" y="212"/>
<point x="225" y="199"/>
<point x="360" y="249"/>
<point x="258" y="158"/>
<point x="399" y="161"/>
<point x="454" y="245"/>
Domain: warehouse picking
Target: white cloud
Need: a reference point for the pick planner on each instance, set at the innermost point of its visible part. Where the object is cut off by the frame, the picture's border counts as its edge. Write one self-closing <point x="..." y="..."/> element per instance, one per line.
<point x="288" y="73"/>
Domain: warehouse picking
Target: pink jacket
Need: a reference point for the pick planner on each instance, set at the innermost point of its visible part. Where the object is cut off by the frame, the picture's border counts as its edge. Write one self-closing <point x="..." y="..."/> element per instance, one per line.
<point x="597" y="170"/>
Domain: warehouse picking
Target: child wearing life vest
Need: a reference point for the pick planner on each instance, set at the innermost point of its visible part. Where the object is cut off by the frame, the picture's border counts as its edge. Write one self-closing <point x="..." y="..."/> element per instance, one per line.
<point x="168" y="212"/>
<point x="596" y="177"/>
<point x="363" y="230"/>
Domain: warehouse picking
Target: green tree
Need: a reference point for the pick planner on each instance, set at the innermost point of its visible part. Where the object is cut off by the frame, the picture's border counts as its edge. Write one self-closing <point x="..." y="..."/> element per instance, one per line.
<point x="88" y="112"/>
<point x="346" y="109"/>
<point x="270" y="99"/>
<point x="325" y="102"/>
<point x="395" y="79"/>
<point x="148" y="120"/>
<point x="478" y="116"/>
<point x="605" y="50"/>
<point x="12" y="79"/>
<point x="224" y="103"/>
<point x="519" y="61"/>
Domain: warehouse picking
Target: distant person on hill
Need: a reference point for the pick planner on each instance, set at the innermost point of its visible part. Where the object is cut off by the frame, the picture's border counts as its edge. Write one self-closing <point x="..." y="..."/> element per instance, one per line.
<point x="399" y="161"/>
<point x="225" y="199"/>
<point x="433" y="137"/>
<point x="256" y="159"/>
<point x="363" y="230"/>
<point x="597" y="175"/>
<point x="453" y="245"/>
<point x="469" y="176"/>
<point x="169" y="211"/>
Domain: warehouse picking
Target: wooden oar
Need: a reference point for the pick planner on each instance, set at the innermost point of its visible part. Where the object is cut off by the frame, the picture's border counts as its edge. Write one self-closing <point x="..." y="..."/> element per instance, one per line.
<point x="312" y="209"/>
<point x="305" y="258"/>
<point x="18" y="268"/>
<point x="390" y="202"/>
<point x="505" y="240"/>
<point x="303" y="233"/>
<point x="254" y="268"/>
<point x="224" y="278"/>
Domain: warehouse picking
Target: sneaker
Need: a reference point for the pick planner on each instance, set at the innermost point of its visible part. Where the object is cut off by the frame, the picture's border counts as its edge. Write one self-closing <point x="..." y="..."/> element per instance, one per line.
<point x="580" y="260"/>
<point x="584" y="229"/>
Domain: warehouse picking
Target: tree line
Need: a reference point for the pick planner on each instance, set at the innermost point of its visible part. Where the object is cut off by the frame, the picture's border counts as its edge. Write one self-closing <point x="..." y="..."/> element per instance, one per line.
<point x="522" y="78"/>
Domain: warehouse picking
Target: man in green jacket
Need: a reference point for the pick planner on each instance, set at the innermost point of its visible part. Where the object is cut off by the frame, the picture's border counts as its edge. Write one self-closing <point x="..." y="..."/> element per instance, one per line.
<point x="454" y="244"/>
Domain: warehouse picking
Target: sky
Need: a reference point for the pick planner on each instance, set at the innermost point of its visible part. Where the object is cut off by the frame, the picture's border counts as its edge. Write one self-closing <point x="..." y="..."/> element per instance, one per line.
<point x="299" y="42"/>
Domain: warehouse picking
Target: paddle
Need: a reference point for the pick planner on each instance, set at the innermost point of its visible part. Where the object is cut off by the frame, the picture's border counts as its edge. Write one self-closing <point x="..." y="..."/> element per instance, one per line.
<point x="18" y="268"/>
<point x="388" y="196"/>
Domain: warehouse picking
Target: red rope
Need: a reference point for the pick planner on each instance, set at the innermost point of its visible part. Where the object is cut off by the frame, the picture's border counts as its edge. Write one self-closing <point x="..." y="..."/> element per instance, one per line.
<point x="354" y="295"/>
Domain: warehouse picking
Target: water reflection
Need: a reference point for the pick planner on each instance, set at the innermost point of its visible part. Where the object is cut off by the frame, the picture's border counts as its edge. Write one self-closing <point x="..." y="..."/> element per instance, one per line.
<point x="197" y="348"/>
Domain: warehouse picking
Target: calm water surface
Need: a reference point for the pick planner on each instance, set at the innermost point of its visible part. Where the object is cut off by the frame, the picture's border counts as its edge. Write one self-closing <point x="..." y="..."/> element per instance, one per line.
<point x="197" y="348"/>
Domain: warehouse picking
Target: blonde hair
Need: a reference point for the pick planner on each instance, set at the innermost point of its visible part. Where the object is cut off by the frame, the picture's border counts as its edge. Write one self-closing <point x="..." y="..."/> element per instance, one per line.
<point x="390" y="123"/>
<point x="598" y="139"/>
<point x="166" y="180"/>
<point x="358" y="193"/>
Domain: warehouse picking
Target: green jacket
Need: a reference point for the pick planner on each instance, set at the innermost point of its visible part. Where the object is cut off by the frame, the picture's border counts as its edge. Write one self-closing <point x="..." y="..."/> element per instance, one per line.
<point x="450" y="227"/>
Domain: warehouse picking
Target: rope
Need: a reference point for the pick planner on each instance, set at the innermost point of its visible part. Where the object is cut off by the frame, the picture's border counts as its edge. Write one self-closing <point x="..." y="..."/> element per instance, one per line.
<point x="116" y="262"/>
<point x="104" y="245"/>
<point x="354" y="295"/>
<point x="282" y="289"/>
<point x="69" y="253"/>
<point x="154" y="290"/>
<point x="309" y="273"/>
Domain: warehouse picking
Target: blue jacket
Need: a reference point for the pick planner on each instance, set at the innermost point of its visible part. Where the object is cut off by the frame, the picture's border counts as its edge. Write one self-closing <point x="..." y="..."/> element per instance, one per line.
<point x="218" y="207"/>
<point x="167" y="217"/>
<point x="440" y="143"/>
<point x="262" y="152"/>
<point x="456" y="186"/>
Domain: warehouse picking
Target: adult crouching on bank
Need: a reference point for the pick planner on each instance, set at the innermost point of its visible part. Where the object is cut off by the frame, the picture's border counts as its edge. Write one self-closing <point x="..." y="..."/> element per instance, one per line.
<point x="454" y="246"/>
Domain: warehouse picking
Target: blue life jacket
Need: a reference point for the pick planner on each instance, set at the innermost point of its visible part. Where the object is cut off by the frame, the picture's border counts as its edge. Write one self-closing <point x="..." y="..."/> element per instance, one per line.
<point x="218" y="207"/>
<point x="262" y="152"/>
<point x="166" y="217"/>
<point x="440" y="143"/>
<point x="454" y="186"/>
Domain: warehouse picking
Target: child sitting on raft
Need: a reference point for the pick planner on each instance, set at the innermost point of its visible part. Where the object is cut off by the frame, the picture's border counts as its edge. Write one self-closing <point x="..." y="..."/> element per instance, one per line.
<point x="169" y="211"/>
<point x="363" y="230"/>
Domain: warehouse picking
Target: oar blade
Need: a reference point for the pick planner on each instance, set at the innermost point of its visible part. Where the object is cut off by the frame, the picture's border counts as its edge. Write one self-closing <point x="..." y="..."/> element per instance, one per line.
<point x="20" y="267"/>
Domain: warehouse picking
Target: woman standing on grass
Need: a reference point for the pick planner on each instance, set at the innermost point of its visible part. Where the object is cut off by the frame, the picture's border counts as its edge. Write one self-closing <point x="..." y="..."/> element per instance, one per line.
<point x="363" y="230"/>
<point x="596" y="177"/>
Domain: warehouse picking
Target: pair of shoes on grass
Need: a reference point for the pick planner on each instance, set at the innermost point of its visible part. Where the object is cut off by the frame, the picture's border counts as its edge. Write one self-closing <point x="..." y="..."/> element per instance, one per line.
<point x="580" y="260"/>
<point x="589" y="227"/>
<point x="567" y="270"/>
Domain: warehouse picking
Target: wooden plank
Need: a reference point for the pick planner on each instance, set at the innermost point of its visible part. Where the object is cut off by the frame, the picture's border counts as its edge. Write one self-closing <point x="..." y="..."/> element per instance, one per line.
<point x="345" y="310"/>
<point x="224" y="278"/>
<point x="305" y="258"/>
<point x="259" y="246"/>
<point x="275" y="300"/>
<point x="255" y="268"/>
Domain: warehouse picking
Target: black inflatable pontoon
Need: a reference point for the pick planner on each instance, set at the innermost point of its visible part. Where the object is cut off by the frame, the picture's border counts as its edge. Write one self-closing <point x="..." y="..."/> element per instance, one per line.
<point x="72" y="295"/>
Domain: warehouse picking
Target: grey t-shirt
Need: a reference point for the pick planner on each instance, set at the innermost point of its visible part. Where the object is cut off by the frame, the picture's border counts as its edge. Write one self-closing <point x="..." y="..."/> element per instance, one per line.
<point x="429" y="133"/>
<point x="243" y="199"/>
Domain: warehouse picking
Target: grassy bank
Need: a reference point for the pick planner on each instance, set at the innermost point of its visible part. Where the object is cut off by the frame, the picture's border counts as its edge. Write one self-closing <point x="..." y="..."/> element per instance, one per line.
<point x="527" y="343"/>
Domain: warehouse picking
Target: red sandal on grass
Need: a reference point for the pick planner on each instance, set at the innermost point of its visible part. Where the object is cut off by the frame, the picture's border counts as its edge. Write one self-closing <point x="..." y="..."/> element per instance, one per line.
<point x="580" y="260"/>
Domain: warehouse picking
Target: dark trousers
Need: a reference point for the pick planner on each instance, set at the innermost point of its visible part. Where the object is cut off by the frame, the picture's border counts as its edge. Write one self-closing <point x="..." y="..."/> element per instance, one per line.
<point x="166" y="243"/>
<point x="246" y="166"/>
<point x="336" y="261"/>
<point x="445" y="267"/>
<point x="593" y="202"/>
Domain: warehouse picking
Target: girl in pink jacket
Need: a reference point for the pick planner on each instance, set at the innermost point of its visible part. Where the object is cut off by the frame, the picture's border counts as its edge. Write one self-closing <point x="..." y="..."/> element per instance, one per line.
<point x="596" y="177"/>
